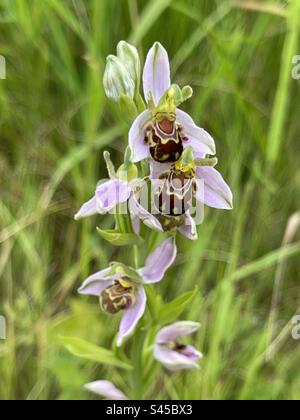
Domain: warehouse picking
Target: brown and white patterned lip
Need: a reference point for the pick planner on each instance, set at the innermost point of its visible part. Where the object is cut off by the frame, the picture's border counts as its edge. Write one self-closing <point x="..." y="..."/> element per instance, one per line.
<point x="165" y="141"/>
<point x="175" y="193"/>
<point x="117" y="297"/>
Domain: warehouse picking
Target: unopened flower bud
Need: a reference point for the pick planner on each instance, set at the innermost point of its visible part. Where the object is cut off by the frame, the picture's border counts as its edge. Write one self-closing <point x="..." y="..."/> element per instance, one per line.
<point x="129" y="57"/>
<point x="117" y="80"/>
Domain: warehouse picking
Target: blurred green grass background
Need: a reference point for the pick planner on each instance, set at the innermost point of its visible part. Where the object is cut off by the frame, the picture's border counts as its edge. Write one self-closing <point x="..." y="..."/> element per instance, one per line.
<point x="55" y="123"/>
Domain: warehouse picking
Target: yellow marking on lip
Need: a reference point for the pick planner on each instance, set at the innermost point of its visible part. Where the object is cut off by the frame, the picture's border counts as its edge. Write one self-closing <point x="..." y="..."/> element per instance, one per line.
<point x="124" y="284"/>
<point x="171" y="116"/>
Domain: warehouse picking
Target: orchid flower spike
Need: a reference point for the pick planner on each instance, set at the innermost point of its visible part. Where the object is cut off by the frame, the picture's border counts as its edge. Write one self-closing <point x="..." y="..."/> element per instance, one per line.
<point x="171" y="352"/>
<point x="121" y="288"/>
<point x="106" y="390"/>
<point x="163" y="131"/>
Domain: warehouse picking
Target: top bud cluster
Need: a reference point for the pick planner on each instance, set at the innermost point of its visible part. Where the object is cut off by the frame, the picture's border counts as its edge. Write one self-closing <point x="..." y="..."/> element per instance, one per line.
<point x="180" y="153"/>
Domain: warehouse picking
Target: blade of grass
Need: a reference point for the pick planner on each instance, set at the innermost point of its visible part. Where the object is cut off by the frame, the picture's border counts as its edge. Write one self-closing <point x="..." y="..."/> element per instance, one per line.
<point x="199" y="35"/>
<point x="264" y="262"/>
<point x="282" y="98"/>
<point x="262" y="7"/>
<point x="150" y="14"/>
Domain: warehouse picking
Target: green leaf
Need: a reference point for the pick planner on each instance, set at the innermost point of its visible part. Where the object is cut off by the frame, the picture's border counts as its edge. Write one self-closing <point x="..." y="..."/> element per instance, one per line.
<point x="154" y="303"/>
<point x="171" y="311"/>
<point x="89" y="351"/>
<point x="120" y="239"/>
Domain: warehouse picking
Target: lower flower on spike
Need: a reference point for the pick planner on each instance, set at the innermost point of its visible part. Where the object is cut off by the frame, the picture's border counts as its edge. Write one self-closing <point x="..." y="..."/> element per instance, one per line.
<point x="121" y="288"/>
<point x="169" y="351"/>
<point x="107" y="390"/>
<point x="117" y="191"/>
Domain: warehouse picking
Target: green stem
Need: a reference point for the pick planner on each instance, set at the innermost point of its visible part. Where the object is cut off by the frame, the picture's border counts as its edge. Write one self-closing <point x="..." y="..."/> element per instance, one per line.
<point x="137" y="373"/>
<point x="123" y="221"/>
<point x="136" y="256"/>
<point x="119" y="221"/>
<point x="137" y="349"/>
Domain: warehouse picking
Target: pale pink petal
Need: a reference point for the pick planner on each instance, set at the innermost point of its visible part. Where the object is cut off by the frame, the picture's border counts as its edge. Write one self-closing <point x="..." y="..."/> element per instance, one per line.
<point x="112" y="193"/>
<point x="107" y="196"/>
<point x="97" y="282"/>
<point x="159" y="261"/>
<point x="90" y="208"/>
<point x="198" y="139"/>
<point x="138" y="146"/>
<point x="217" y="193"/>
<point x="177" y="330"/>
<point x="189" y="228"/>
<point x="147" y="218"/>
<point x="156" y="77"/>
<point x="174" y="360"/>
<point x="132" y="316"/>
<point x="136" y="223"/>
<point x="107" y="390"/>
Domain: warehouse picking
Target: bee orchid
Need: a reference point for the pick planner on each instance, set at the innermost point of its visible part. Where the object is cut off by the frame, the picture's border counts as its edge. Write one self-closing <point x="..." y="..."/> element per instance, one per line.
<point x="163" y="131"/>
<point x="169" y="349"/>
<point x="118" y="190"/>
<point x="121" y="288"/>
<point x="178" y="186"/>
<point x="106" y="390"/>
<point x="185" y="178"/>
